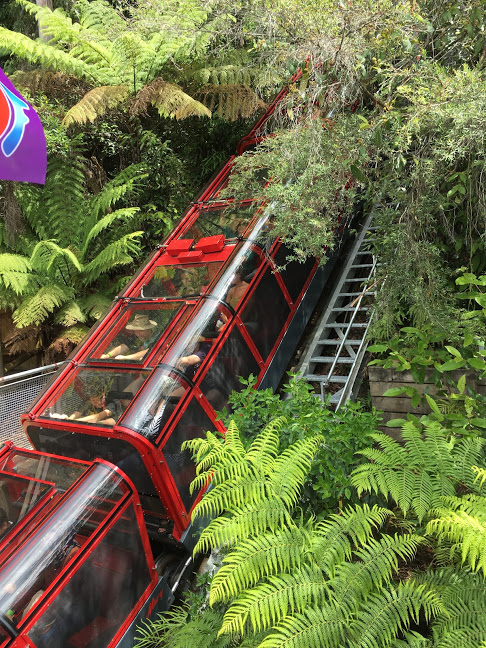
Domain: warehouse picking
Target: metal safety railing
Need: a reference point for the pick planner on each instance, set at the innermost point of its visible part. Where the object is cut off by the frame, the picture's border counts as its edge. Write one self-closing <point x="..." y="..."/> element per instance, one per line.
<point x="17" y="393"/>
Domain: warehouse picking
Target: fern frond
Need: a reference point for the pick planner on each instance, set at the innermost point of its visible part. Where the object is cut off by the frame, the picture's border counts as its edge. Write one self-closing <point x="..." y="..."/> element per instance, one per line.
<point x="418" y="475"/>
<point x="465" y="526"/>
<point x="38" y="307"/>
<point x="231" y="101"/>
<point x="387" y="613"/>
<point x="264" y="448"/>
<point x="104" y="223"/>
<point x="291" y="468"/>
<point x="94" y="104"/>
<point x="95" y="305"/>
<point x="377" y="564"/>
<point x="40" y="53"/>
<point x="316" y="627"/>
<point x="124" y="182"/>
<point x="169" y="99"/>
<point x="251" y="489"/>
<point x="70" y="314"/>
<point x="255" y="558"/>
<point x="114" y="254"/>
<point x="48" y="257"/>
<point x="265" y="605"/>
<point x="242" y="523"/>
<point x="15" y="272"/>
<point x="331" y="544"/>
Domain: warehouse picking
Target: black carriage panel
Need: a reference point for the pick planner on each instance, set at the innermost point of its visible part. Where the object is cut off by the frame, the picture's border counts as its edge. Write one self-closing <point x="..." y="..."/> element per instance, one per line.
<point x="89" y="609"/>
<point x="265" y="314"/>
<point x="234" y="359"/>
<point x="89" y="446"/>
<point x="293" y="273"/>
<point x="193" y="423"/>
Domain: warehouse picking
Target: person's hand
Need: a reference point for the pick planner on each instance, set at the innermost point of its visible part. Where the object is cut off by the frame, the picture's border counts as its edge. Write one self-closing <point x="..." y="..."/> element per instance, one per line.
<point x="105" y="356"/>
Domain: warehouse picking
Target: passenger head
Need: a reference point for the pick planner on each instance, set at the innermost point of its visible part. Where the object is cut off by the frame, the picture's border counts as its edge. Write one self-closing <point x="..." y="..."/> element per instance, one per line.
<point x="141" y="326"/>
<point x="96" y="385"/>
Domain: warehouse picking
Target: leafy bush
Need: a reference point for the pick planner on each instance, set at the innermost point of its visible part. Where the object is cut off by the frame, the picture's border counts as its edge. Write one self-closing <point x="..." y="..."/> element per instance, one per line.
<point x="345" y="433"/>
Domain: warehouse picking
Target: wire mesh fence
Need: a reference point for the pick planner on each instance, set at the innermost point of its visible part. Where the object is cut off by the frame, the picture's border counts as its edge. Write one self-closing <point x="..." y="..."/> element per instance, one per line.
<point x="17" y="393"/>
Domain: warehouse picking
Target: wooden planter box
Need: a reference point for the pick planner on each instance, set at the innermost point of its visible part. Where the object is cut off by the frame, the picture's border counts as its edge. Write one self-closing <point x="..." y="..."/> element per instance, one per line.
<point x="394" y="407"/>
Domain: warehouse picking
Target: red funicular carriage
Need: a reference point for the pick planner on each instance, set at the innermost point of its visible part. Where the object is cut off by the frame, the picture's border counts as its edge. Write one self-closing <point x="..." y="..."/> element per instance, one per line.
<point x="102" y="551"/>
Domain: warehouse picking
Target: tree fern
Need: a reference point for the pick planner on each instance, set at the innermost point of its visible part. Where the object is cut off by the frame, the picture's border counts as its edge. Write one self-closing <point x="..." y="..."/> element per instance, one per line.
<point x="15" y="272"/>
<point x="170" y="101"/>
<point x="35" y="309"/>
<point x="95" y="103"/>
<point x="118" y="252"/>
<point x="230" y="101"/>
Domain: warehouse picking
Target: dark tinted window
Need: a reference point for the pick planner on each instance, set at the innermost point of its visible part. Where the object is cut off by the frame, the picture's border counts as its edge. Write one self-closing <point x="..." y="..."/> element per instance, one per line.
<point x="294" y="274"/>
<point x="193" y="423"/>
<point x="265" y="314"/>
<point x="233" y="360"/>
<point x="89" y="610"/>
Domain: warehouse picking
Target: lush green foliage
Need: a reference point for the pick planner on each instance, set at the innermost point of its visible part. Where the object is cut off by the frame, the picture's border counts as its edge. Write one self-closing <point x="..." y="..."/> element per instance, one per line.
<point x="345" y="580"/>
<point x="345" y="432"/>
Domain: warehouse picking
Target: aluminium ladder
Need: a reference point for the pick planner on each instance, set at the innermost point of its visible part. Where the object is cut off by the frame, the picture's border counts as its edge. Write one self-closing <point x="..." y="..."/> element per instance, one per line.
<point x="336" y="351"/>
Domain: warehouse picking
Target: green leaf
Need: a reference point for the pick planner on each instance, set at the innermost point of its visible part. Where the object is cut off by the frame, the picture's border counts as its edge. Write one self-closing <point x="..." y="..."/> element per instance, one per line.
<point x="378" y="348"/>
<point x="394" y="391"/>
<point x="467" y="278"/>
<point x="396" y="422"/>
<point x="432" y="404"/>
<point x="450" y="365"/>
<point x="461" y="384"/>
<point x="358" y="174"/>
<point x="478" y="422"/>
<point x="477" y="363"/>
<point x="454" y="352"/>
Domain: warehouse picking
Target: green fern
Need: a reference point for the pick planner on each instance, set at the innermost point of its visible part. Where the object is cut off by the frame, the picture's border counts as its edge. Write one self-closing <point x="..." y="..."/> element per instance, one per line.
<point x="255" y="558"/>
<point x="268" y="603"/>
<point x="461" y="524"/>
<point x="315" y="627"/>
<point x="417" y="475"/>
<point x="389" y="612"/>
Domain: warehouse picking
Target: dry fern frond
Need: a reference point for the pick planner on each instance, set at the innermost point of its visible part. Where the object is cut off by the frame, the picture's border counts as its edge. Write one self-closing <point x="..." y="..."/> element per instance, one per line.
<point x="24" y="340"/>
<point x="169" y="99"/>
<point x="53" y="83"/>
<point x="94" y="104"/>
<point x="231" y="101"/>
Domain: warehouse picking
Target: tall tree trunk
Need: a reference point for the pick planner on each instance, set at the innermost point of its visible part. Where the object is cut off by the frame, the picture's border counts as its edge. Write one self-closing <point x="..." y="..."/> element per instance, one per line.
<point x="43" y="3"/>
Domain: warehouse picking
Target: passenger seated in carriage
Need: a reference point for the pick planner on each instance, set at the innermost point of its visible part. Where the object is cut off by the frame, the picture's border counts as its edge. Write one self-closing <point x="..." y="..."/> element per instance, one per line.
<point x="146" y="333"/>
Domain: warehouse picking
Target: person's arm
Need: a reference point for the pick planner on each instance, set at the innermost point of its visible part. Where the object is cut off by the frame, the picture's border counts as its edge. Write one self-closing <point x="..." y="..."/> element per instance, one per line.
<point x="138" y="355"/>
<point x="120" y="349"/>
<point x="94" y="418"/>
<point x="188" y="361"/>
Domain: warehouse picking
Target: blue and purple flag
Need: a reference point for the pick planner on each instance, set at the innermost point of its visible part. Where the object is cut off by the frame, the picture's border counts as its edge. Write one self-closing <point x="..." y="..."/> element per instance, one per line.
<point x="23" y="155"/>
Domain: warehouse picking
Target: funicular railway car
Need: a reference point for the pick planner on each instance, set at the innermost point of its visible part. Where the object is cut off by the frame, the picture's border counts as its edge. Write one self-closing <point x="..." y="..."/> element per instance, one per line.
<point x="212" y="304"/>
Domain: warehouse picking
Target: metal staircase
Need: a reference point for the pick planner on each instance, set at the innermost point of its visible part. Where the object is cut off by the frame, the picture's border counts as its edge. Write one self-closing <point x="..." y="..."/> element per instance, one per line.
<point x="335" y="353"/>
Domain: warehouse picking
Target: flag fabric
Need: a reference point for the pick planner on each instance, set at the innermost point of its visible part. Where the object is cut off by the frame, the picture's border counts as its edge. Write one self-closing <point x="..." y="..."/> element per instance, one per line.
<point x="23" y="155"/>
